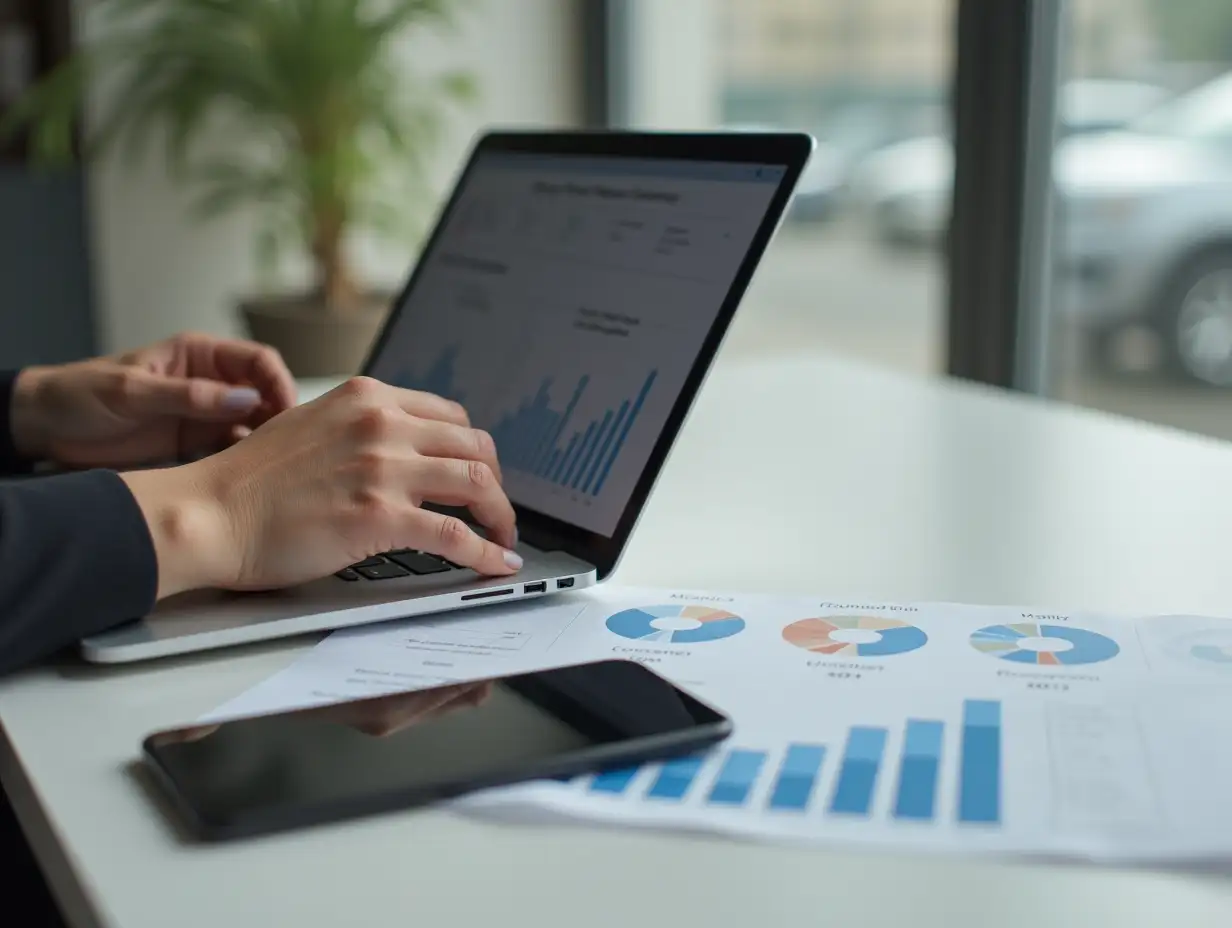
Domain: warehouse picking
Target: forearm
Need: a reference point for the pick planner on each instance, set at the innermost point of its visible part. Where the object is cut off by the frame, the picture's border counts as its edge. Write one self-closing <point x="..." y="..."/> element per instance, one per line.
<point x="75" y="557"/>
<point x="185" y="524"/>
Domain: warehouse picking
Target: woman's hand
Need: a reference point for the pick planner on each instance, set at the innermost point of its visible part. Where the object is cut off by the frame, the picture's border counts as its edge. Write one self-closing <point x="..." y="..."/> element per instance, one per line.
<point x="187" y="395"/>
<point x="325" y="485"/>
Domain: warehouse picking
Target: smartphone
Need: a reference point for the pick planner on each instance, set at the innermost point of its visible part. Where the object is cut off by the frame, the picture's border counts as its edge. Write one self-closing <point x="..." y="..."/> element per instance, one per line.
<point x="286" y="770"/>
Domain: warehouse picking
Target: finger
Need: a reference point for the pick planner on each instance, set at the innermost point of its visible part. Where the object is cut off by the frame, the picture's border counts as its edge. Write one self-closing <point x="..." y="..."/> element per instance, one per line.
<point x="454" y="540"/>
<point x="241" y="361"/>
<point x="395" y="714"/>
<point x="370" y="391"/>
<point x="430" y="406"/>
<point x="142" y="393"/>
<point x="446" y="440"/>
<point x="472" y="484"/>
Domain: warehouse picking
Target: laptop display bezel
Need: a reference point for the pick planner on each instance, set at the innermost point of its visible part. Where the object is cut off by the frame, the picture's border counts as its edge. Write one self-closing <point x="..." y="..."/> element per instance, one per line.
<point x="789" y="151"/>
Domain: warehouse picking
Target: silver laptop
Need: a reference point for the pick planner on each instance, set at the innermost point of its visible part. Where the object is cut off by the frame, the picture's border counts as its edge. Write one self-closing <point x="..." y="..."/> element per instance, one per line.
<point x="572" y="296"/>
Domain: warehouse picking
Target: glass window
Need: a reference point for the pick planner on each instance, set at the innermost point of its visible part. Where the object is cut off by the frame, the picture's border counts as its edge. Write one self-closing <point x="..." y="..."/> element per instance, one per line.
<point x="855" y="269"/>
<point x="1141" y="320"/>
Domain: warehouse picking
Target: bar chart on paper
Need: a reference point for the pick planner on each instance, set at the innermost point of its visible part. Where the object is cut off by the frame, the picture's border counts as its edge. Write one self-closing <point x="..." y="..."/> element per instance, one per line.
<point x="938" y="772"/>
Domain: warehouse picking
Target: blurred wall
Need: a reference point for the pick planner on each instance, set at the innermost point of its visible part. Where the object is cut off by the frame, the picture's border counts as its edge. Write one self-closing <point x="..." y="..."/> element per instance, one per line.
<point x="156" y="272"/>
<point x="45" y="301"/>
<point x="673" y="68"/>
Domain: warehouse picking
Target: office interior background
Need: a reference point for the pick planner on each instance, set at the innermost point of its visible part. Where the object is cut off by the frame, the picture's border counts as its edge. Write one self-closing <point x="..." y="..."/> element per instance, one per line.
<point x="1035" y="194"/>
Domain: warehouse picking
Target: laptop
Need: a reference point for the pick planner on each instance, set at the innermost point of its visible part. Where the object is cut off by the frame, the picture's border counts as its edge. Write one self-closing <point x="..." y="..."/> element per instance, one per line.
<point x="572" y="297"/>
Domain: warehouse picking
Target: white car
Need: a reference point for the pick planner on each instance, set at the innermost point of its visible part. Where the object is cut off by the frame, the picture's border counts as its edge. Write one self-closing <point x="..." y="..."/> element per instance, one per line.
<point x="1143" y="230"/>
<point x="1144" y="234"/>
<point x="907" y="187"/>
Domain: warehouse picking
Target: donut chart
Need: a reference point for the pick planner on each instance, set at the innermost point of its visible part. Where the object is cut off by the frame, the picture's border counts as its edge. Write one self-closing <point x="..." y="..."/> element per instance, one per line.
<point x="675" y="624"/>
<point x="1212" y="653"/>
<point x="855" y="636"/>
<point x="1044" y="644"/>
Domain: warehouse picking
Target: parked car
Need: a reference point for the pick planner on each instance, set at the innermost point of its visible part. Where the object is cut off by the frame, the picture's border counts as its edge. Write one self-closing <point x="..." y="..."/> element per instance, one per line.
<point x="822" y="176"/>
<point x="1144" y="232"/>
<point x="848" y="136"/>
<point x="907" y="187"/>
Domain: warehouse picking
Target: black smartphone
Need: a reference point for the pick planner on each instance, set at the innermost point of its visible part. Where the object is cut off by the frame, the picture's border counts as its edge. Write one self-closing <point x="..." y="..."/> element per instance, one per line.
<point x="272" y="772"/>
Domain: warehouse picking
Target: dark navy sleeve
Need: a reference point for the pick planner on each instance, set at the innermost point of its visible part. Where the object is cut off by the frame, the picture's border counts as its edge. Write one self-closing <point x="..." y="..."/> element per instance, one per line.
<point x="76" y="555"/>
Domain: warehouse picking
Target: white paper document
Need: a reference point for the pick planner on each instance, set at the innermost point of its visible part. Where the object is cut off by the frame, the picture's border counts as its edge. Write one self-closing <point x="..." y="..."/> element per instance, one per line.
<point x="932" y="726"/>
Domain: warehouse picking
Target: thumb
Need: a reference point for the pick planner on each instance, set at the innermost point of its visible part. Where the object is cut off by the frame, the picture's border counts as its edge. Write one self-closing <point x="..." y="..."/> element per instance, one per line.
<point x="189" y="397"/>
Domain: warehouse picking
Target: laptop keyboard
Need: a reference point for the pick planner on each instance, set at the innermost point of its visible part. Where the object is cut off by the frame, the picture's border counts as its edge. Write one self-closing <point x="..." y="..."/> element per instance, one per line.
<point x="404" y="562"/>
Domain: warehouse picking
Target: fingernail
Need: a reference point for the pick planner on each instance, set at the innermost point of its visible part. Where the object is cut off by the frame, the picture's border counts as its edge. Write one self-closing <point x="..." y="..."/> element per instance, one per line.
<point x="512" y="561"/>
<point x="238" y="399"/>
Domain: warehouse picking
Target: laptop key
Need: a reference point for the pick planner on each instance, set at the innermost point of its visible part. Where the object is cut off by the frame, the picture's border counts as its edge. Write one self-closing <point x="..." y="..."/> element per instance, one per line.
<point x="419" y="563"/>
<point x="383" y="571"/>
<point x="347" y="574"/>
<point x="367" y="562"/>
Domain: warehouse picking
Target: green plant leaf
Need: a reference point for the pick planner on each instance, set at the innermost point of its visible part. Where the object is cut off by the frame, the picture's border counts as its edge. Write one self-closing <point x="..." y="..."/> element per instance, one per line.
<point x="306" y="109"/>
<point x="461" y="86"/>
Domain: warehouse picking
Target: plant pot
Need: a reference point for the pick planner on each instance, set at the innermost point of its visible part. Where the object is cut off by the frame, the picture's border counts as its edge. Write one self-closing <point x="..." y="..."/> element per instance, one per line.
<point x="314" y="342"/>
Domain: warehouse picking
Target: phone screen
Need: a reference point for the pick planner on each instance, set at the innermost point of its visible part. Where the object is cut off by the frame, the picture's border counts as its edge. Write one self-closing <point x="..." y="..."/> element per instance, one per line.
<point x="438" y="741"/>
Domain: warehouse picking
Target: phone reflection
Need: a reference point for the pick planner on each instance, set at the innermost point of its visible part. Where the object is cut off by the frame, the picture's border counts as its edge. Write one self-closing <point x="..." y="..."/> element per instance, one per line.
<point x="378" y="717"/>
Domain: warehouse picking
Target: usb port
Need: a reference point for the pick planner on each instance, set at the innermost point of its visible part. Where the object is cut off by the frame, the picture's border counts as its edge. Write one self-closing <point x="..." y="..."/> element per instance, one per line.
<point x="564" y="584"/>
<point x="540" y="587"/>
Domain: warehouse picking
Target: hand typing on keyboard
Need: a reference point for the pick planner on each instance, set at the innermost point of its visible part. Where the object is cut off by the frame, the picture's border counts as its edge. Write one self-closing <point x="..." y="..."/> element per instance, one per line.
<point x="336" y="485"/>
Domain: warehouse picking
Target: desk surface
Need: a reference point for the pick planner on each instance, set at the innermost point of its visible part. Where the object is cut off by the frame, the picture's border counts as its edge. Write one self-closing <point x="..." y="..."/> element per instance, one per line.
<point x="794" y="476"/>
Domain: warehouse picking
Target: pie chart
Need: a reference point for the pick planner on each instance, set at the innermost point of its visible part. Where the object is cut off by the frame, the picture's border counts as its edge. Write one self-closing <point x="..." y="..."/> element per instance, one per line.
<point x="1212" y="653"/>
<point x="855" y="635"/>
<point x="675" y="624"/>
<point x="1044" y="643"/>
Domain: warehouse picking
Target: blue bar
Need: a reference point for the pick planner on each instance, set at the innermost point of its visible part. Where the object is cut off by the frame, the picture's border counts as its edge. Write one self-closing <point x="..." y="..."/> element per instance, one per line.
<point x="573" y="401"/>
<point x="524" y="427"/>
<point x="613" y="781"/>
<point x="539" y="464"/>
<point x="590" y="452"/>
<point x="853" y="794"/>
<point x="675" y="777"/>
<point x="607" y="441"/>
<point x="624" y="433"/>
<point x="979" y="771"/>
<point x="546" y="471"/>
<point x="557" y="429"/>
<point x="565" y="460"/>
<point x="537" y="424"/>
<point x="509" y="440"/>
<point x="797" y="776"/>
<point x="737" y="777"/>
<point x="916" y="797"/>
<point x="582" y="449"/>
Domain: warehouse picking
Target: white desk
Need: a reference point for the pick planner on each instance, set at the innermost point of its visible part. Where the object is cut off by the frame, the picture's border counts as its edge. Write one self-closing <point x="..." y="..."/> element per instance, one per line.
<point x="793" y="476"/>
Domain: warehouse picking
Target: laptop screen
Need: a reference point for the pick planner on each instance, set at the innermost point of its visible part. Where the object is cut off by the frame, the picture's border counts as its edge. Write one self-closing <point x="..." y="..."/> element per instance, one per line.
<point x="564" y="302"/>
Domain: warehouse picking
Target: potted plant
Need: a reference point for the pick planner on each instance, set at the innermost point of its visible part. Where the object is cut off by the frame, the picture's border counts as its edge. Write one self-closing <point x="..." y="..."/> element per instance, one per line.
<point x="299" y="108"/>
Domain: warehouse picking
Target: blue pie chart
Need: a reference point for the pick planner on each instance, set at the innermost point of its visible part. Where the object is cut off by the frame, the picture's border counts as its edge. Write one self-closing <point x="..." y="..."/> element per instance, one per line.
<point x="1044" y="644"/>
<point x="1215" y="654"/>
<point x="675" y="624"/>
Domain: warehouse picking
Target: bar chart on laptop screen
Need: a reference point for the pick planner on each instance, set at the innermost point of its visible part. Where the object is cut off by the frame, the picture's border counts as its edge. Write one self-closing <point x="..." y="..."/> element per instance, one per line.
<point x="575" y="399"/>
<point x="919" y="772"/>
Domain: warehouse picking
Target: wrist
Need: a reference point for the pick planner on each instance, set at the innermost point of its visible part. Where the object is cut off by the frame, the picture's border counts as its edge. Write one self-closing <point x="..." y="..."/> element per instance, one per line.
<point x="28" y="420"/>
<point x="188" y="526"/>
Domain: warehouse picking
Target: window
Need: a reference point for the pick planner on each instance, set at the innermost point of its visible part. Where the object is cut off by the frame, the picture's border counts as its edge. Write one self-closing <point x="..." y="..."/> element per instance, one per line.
<point x="1141" y="321"/>
<point x="856" y="269"/>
